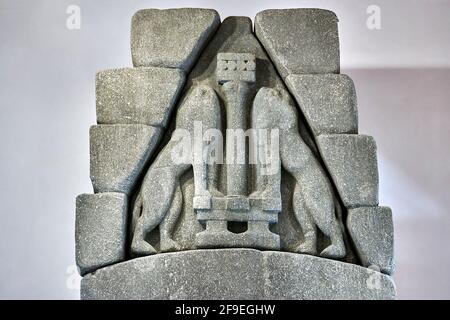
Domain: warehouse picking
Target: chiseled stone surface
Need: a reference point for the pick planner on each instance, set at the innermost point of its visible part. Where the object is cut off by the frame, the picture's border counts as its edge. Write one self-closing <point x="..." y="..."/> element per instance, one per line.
<point x="171" y="38"/>
<point x="100" y="230"/>
<point x="235" y="274"/>
<point x="300" y="41"/>
<point x="328" y="101"/>
<point x="372" y="232"/>
<point x="294" y="276"/>
<point x="351" y="160"/>
<point x="312" y="196"/>
<point x="236" y="66"/>
<point x="119" y="152"/>
<point x="232" y="83"/>
<point x="137" y="95"/>
<point x="235" y="35"/>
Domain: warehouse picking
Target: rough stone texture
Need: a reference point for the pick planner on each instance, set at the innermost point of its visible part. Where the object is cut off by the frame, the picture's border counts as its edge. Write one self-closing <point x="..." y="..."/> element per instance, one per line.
<point x="234" y="36"/>
<point x="137" y="95"/>
<point x="188" y="225"/>
<point x="100" y="230"/>
<point x="351" y="160"/>
<point x="189" y="205"/>
<point x="200" y="105"/>
<point x="313" y="202"/>
<point x="300" y="41"/>
<point x="236" y="66"/>
<point x="328" y="102"/>
<point x="171" y="38"/>
<point x="372" y="232"/>
<point x="235" y="274"/>
<point x="119" y="153"/>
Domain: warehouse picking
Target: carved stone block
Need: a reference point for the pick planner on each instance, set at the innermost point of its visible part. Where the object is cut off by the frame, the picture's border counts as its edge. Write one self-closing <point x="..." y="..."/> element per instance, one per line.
<point x="328" y="102"/>
<point x="372" y="232"/>
<point x="100" y="230"/>
<point x="352" y="162"/>
<point x="171" y="38"/>
<point x="118" y="155"/>
<point x="235" y="274"/>
<point x="236" y="66"/>
<point x="300" y="41"/>
<point x="137" y="95"/>
<point x="238" y="169"/>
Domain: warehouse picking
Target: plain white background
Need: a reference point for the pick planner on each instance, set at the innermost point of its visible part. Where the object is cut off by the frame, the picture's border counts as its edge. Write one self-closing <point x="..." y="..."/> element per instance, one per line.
<point x="47" y="102"/>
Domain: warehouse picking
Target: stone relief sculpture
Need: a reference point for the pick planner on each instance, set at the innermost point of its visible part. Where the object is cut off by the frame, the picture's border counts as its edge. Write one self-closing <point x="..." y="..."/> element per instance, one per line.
<point x="237" y="150"/>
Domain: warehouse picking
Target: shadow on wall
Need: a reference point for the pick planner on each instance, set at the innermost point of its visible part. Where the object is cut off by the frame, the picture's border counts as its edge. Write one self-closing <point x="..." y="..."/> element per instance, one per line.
<point x="407" y="111"/>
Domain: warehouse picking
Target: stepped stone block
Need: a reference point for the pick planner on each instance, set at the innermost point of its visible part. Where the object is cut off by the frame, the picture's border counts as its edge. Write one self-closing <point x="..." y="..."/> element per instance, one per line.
<point x="119" y="153"/>
<point x="100" y="230"/>
<point x="137" y="95"/>
<point x="351" y="160"/>
<point x="300" y="41"/>
<point x="372" y="232"/>
<point x="328" y="102"/>
<point x="171" y="38"/>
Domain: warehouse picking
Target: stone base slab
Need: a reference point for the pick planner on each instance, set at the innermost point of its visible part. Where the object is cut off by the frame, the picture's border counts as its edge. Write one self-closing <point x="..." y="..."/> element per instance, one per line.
<point x="235" y="274"/>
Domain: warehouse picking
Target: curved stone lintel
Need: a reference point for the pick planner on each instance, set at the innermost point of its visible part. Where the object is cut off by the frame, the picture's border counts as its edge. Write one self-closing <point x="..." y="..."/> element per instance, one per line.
<point x="235" y="274"/>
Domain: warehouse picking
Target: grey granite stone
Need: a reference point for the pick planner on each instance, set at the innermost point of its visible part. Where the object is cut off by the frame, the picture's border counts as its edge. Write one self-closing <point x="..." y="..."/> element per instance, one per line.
<point x="234" y="36"/>
<point x="292" y="276"/>
<point x="372" y="232"/>
<point x="328" y="101"/>
<point x="351" y="160"/>
<point x="234" y="40"/>
<point x="137" y="95"/>
<point x="229" y="234"/>
<point x="171" y="38"/>
<point x="300" y="41"/>
<point x="188" y="225"/>
<point x="119" y="153"/>
<point x="191" y="204"/>
<point x="236" y="66"/>
<point x="313" y="201"/>
<point x="100" y="230"/>
<point x="235" y="274"/>
<point x="200" y="106"/>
